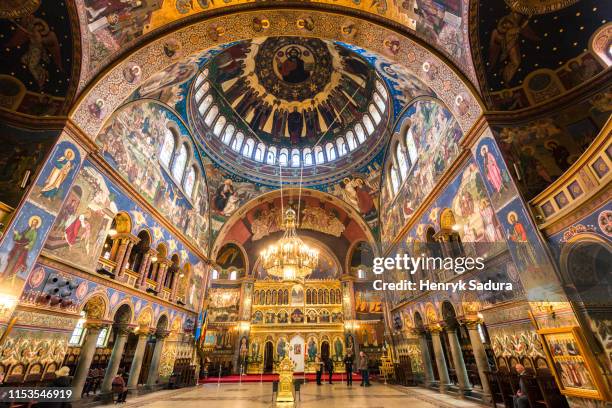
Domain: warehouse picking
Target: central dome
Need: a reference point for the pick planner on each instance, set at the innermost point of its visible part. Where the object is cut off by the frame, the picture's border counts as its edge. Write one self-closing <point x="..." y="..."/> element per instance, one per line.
<point x="288" y="102"/>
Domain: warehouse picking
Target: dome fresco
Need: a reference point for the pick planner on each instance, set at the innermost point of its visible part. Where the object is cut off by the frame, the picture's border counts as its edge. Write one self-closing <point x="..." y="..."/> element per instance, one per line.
<point x="291" y="102"/>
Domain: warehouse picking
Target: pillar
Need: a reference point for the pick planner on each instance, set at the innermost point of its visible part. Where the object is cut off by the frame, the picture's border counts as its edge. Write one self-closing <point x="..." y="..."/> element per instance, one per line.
<point x="156" y="358"/>
<point x="440" y="362"/>
<point x="481" y="358"/>
<point x="427" y="366"/>
<point x="175" y="285"/>
<point x="161" y="276"/>
<point x="457" y="356"/>
<point x="126" y="258"/>
<point x="88" y="349"/>
<point x="144" y="268"/>
<point x="143" y="335"/>
<point x="115" y="358"/>
<point x="120" y="254"/>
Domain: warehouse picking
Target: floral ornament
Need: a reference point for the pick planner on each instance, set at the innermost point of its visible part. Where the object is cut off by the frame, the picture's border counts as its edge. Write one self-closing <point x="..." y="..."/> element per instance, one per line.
<point x="305" y="23"/>
<point x="260" y="24"/>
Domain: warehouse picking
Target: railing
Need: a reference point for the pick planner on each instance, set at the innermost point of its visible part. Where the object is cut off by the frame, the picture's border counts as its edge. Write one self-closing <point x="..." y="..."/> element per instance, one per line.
<point x="590" y="174"/>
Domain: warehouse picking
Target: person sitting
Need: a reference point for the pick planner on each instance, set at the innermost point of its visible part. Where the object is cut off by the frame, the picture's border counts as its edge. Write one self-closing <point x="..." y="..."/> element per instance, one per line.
<point x="119" y="387"/>
<point x="520" y="400"/>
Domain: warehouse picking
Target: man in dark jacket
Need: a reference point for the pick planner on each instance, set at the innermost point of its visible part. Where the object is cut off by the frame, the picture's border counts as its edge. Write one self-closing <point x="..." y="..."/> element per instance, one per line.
<point x="363" y="369"/>
<point x="329" y="367"/>
<point x="348" y="367"/>
<point x="520" y="400"/>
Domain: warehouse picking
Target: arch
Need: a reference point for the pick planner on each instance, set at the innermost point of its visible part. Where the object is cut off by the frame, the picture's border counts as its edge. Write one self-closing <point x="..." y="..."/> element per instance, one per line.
<point x="431" y="314"/>
<point x="167" y="148"/>
<point x="123" y="223"/>
<point x="145" y="318"/>
<point x="139" y="250"/>
<point x="180" y="162"/>
<point x="123" y="312"/>
<point x="447" y="311"/>
<point x="162" y="322"/>
<point x="96" y="306"/>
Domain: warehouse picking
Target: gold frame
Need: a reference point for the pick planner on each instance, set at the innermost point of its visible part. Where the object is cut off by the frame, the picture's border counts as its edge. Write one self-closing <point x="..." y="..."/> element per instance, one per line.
<point x="600" y="392"/>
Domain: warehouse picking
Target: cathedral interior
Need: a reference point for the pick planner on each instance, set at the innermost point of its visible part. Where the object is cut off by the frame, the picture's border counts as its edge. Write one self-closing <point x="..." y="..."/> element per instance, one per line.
<point x="165" y="162"/>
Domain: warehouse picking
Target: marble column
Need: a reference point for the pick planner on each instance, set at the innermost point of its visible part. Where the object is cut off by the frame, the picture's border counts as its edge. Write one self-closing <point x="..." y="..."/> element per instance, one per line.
<point x="161" y="276"/>
<point x="427" y="366"/>
<point x="136" y="366"/>
<point x="457" y="356"/>
<point x="156" y="358"/>
<point x="144" y="268"/>
<point x="175" y="285"/>
<point x="122" y="332"/>
<point x="88" y="349"/>
<point x="126" y="258"/>
<point x="481" y="358"/>
<point x="120" y="254"/>
<point x="440" y="361"/>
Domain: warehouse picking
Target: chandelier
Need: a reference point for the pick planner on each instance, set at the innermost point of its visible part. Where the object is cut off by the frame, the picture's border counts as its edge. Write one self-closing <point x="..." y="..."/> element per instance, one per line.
<point x="289" y="258"/>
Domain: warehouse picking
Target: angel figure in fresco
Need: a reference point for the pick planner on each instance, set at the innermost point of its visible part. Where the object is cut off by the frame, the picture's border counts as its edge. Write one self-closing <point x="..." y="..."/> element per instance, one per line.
<point x="518" y="235"/>
<point x="505" y="41"/>
<point x="492" y="171"/>
<point x="56" y="178"/>
<point x="23" y="242"/>
<point x="42" y="47"/>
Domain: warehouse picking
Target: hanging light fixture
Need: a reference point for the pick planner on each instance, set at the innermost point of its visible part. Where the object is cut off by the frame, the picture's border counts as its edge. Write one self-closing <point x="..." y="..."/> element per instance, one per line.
<point x="289" y="258"/>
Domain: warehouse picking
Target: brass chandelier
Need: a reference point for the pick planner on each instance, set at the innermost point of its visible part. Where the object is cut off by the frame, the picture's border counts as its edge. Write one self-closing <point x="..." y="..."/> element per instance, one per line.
<point x="289" y="258"/>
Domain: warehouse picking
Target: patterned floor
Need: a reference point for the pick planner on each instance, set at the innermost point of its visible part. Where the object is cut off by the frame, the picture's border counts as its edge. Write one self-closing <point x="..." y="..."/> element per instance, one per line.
<point x="313" y="396"/>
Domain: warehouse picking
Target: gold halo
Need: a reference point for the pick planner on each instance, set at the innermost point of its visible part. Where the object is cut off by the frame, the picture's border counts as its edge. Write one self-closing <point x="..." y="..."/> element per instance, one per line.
<point x="35" y="218"/>
<point x="69" y="152"/>
<point x="510" y="214"/>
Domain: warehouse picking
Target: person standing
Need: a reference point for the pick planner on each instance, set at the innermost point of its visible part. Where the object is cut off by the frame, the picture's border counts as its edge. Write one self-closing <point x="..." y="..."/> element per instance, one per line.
<point x="119" y="387"/>
<point x="520" y="400"/>
<point x="319" y="368"/>
<point x="363" y="369"/>
<point x="329" y="367"/>
<point x="348" y="367"/>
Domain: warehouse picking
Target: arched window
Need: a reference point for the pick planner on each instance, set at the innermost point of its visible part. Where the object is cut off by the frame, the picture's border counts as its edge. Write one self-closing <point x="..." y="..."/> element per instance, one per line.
<point x="271" y="155"/>
<point x="381" y="88"/>
<point x="259" y="152"/>
<point x="227" y="135"/>
<point x="411" y="145"/>
<point x="211" y="115"/>
<point x="233" y="275"/>
<point x="219" y="126"/>
<point x="205" y="104"/>
<point x="368" y="124"/>
<point x="283" y="157"/>
<point x="237" y="143"/>
<point x="319" y="156"/>
<point x="201" y="77"/>
<point x="379" y="102"/>
<point x="189" y="182"/>
<point x="401" y="161"/>
<point x="215" y="274"/>
<point x="350" y="139"/>
<point x="330" y="151"/>
<point x="361" y="274"/>
<point x="165" y="154"/>
<point x="341" y="145"/>
<point x="201" y="92"/>
<point x="178" y="168"/>
<point x="375" y="115"/>
<point x="295" y="158"/>
<point x="308" y="161"/>
<point x="247" y="150"/>
<point x="395" y="183"/>
<point x="360" y="133"/>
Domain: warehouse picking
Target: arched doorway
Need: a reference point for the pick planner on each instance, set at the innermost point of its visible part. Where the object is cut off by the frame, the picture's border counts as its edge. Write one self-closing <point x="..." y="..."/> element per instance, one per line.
<point x="268" y="357"/>
<point x="162" y="325"/>
<point x="324" y="350"/>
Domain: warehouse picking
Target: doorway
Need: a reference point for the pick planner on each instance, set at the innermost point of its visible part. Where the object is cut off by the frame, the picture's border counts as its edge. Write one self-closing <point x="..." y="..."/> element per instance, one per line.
<point x="324" y="350"/>
<point x="268" y="357"/>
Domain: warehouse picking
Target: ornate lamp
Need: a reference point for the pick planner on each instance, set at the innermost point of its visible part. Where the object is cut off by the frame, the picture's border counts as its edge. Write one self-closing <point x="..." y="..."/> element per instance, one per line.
<point x="289" y="258"/>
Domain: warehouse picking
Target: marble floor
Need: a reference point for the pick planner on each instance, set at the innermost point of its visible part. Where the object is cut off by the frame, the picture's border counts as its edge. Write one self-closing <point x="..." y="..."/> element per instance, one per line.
<point x="331" y="396"/>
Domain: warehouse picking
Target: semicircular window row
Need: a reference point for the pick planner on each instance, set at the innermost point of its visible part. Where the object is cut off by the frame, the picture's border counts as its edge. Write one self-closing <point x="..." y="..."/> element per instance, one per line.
<point x="234" y="138"/>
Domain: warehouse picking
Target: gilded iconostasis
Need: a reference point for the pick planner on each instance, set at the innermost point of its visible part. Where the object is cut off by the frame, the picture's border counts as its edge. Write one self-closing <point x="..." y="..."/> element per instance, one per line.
<point x="145" y="144"/>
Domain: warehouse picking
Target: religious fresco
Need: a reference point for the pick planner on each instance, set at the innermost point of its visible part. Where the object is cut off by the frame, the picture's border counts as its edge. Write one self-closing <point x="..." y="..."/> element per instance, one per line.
<point x="151" y="148"/>
<point x="432" y="136"/>
<point x="37" y="48"/>
<point x="114" y="25"/>
<point x="368" y="302"/>
<point x="24" y="153"/>
<point x="496" y="176"/>
<point x="81" y="227"/>
<point x="224" y="304"/>
<point x="526" y="56"/>
<point x="542" y="149"/>
<point x="230" y="258"/>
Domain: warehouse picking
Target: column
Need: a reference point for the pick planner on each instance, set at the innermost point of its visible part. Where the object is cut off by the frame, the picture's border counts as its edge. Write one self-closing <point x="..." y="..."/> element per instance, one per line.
<point x="457" y="356"/>
<point x="120" y="255"/>
<point x="126" y="258"/>
<point x="481" y="358"/>
<point x="427" y="367"/>
<point x="156" y="358"/>
<point x="143" y="335"/>
<point x="175" y="285"/>
<point x="440" y="362"/>
<point x="122" y="331"/>
<point x="161" y="276"/>
<point x="144" y="268"/>
<point x="88" y="349"/>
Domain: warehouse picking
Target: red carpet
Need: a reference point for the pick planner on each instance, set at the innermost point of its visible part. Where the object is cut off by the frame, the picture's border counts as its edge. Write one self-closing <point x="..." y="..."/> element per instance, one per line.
<point x="254" y="378"/>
